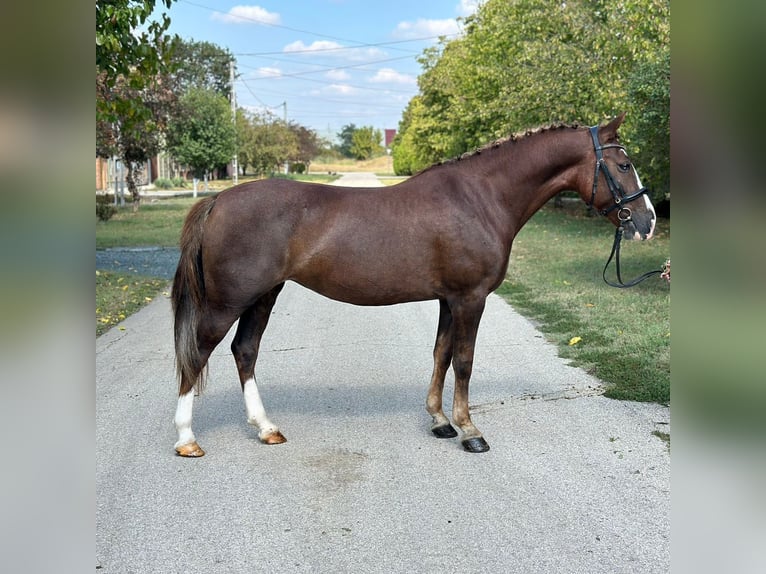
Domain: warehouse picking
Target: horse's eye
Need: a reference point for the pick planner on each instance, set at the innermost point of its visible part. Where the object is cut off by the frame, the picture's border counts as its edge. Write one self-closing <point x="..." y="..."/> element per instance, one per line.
<point x="623" y="167"/>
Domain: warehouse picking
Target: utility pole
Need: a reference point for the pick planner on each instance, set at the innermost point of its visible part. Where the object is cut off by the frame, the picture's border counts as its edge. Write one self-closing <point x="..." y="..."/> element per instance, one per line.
<point x="284" y="104"/>
<point x="233" y="97"/>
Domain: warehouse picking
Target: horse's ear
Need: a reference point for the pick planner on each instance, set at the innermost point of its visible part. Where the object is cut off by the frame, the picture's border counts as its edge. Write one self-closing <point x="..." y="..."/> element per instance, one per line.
<point x="608" y="132"/>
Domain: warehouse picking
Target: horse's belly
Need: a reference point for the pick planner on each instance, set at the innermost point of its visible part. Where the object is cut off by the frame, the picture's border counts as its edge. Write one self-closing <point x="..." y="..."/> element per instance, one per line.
<point x="363" y="289"/>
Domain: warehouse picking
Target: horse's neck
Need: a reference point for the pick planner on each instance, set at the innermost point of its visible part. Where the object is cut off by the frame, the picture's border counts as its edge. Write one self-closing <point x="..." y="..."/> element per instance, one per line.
<point x="534" y="171"/>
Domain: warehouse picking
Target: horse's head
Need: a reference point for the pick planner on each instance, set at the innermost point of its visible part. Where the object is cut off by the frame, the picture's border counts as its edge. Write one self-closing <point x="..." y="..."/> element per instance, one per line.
<point x="617" y="192"/>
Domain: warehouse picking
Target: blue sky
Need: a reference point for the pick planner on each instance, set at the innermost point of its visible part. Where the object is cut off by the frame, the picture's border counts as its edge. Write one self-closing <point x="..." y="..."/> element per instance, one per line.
<point x="334" y="62"/>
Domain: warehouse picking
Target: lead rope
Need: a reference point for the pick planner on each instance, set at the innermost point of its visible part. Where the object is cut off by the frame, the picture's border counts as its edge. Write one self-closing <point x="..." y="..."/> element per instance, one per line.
<point x="616" y="255"/>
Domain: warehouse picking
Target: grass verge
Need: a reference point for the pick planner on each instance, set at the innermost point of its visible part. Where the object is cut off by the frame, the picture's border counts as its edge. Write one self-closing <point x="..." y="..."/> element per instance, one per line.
<point x="156" y="223"/>
<point x="621" y="336"/>
<point x="118" y="295"/>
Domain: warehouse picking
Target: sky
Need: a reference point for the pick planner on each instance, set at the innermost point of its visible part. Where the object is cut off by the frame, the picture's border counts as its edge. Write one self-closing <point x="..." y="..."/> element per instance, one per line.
<point x="325" y="63"/>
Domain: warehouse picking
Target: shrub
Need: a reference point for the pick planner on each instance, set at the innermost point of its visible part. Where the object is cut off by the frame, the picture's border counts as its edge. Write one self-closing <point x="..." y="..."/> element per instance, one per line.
<point x="104" y="208"/>
<point x="163" y="183"/>
<point x="179" y="182"/>
<point x="649" y="95"/>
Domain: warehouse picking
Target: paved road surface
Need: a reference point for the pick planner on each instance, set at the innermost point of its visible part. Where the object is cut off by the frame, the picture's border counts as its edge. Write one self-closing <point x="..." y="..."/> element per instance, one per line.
<point x="573" y="482"/>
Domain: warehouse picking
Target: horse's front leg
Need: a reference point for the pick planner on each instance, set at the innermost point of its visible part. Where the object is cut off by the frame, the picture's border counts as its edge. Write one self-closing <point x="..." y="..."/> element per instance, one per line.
<point x="466" y="316"/>
<point x="441" y="426"/>
<point x="245" y="348"/>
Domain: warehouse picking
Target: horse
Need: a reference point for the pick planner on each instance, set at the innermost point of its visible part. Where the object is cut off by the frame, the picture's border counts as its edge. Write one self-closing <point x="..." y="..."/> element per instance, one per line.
<point x="443" y="234"/>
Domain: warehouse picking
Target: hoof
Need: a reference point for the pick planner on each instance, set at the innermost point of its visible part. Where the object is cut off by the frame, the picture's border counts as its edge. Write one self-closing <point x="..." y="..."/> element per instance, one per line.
<point x="444" y="431"/>
<point x="275" y="437"/>
<point x="191" y="449"/>
<point x="475" y="444"/>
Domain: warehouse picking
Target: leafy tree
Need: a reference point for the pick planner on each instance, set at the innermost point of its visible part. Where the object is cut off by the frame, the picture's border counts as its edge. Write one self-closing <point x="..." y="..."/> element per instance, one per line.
<point x="649" y="96"/>
<point x="346" y="135"/>
<point x="201" y="135"/>
<point x="135" y="134"/>
<point x="268" y="143"/>
<point x="245" y="134"/>
<point x="366" y="142"/>
<point x="308" y="143"/>
<point x="124" y="50"/>
<point x="200" y="65"/>
<point x="525" y="63"/>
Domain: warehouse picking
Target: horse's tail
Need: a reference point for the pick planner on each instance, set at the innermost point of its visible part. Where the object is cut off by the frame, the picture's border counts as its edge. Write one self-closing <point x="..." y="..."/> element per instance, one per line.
<point x="188" y="298"/>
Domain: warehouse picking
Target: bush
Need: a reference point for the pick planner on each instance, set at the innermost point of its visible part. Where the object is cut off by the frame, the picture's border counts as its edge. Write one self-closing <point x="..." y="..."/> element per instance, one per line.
<point x="179" y="182"/>
<point x="163" y="183"/>
<point x="649" y="134"/>
<point x="298" y="167"/>
<point x="104" y="208"/>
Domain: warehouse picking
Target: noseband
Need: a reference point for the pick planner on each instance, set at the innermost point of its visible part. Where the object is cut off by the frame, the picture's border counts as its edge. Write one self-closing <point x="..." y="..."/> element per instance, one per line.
<point x="624" y="214"/>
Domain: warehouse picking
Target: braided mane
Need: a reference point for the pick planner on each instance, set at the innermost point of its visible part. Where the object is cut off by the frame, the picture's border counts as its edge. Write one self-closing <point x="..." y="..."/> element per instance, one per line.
<point x="513" y="138"/>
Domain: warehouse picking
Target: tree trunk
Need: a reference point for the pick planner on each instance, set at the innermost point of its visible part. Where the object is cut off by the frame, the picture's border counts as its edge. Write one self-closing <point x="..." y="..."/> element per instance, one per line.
<point x="130" y="179"/>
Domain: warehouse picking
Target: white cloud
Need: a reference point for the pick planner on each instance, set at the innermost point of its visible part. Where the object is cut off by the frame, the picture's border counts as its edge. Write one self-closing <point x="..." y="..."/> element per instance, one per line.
<point x="391" y="76"/>
<point x="423" y="28"/>
<point x="267" y="72"/>
<point x="467" y="7"/>
<point x="317" y="46"/>
<point x="338" y="75"/>
<point x="336" y="90"/>
<point x="328" y="48"/>
<point x="247" y="15"/>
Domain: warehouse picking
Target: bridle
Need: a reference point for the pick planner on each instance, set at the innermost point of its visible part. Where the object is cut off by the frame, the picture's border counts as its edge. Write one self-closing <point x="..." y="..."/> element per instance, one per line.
<point x="624" y="213"/>
<point x="618" y="194"/>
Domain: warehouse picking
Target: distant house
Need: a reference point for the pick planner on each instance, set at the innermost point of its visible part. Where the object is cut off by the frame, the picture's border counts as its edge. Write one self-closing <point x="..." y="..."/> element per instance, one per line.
<point x="110" y="173"/>
<point x="390" y="135"/>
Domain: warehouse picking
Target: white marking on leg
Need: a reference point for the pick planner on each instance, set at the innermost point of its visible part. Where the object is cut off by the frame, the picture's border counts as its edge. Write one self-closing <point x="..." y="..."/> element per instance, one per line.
<point x="183" y="419"/>
<point x="256" y="414"/>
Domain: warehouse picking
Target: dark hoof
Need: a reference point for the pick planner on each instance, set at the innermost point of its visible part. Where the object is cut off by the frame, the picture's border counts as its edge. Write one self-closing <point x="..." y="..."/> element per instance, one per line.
<point x="445" y="431"/>
<point x="475" y="444"/>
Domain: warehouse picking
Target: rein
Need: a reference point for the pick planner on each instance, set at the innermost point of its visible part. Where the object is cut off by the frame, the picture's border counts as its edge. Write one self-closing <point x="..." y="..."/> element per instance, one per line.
<point x="624" y="214"/>
<point x="616" y="255"/>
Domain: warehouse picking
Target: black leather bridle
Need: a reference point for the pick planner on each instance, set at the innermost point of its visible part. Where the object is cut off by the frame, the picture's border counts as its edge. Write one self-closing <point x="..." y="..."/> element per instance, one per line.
<point x="620" y="203"/>
<point x="618" y="194"/>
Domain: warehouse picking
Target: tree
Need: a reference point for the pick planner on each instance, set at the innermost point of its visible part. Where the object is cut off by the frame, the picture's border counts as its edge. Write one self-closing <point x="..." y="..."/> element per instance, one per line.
<point x="649" y="96"/>
<point x="135" y="134"/>
<point x="267" y="143"/>
<point x="201" y="135"/>
<point x="200" y="65"/>
<point x="124" y="50"/>
<point x="245" y="134"/>
<point x="346" y="135"/>
<point x="527" y="63"/>
<point x="366" y="143"/>
<point x="308" y="142"/>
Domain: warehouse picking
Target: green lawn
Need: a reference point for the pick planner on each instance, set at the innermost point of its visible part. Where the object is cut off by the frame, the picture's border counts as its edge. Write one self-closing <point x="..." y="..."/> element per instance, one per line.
<point x="119" y="295"/>
<point x="156" y="223"/>
<point x="624" y="334"/>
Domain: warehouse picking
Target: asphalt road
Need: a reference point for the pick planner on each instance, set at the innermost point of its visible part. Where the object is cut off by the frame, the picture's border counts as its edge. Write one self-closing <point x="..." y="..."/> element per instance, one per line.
<point x="574" y="482"/>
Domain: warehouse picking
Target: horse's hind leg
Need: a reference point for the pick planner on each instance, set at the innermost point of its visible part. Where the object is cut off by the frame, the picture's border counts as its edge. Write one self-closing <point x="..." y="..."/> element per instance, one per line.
<point x="211" y="329"/>
<point x="245" y="347"/>
<point x="441" y="426"/>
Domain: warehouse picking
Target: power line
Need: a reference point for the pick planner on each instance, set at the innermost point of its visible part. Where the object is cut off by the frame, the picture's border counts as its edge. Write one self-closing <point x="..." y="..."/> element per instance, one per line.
<point x="317" y="34"/>
<point x="326" y="68"/>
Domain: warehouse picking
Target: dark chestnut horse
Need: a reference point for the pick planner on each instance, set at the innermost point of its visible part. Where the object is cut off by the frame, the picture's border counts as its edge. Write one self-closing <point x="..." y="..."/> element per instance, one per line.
<point x="445" y="234"/>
